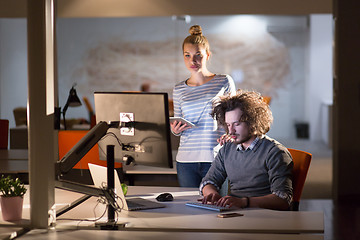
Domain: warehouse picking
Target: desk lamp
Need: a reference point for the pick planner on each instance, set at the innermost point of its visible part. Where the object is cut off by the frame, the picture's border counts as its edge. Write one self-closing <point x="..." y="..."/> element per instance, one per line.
<point x="72" y="101"/>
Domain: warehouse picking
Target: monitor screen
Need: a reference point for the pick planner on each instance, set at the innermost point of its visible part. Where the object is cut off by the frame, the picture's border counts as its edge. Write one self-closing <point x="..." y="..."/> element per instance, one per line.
<point x="144" y="137"/>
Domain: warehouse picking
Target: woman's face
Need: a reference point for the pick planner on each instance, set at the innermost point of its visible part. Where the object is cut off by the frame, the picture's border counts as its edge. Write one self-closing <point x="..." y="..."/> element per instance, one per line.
<point x="195" y="57"/>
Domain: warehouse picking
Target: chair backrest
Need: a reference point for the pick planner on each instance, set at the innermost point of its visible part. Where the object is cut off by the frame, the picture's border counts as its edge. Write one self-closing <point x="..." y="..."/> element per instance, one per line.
<point x="68" y="138"/>
<point x="267" y="99"/>
<point x="301" y="161"/>
<point x="20" y="116"/>
<point x="4" y="133"/>
<point x="90" y="109"/>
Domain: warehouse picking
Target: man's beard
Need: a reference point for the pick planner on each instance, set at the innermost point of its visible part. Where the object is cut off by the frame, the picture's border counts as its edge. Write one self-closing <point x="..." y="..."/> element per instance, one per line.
<point x="242" y="140"/>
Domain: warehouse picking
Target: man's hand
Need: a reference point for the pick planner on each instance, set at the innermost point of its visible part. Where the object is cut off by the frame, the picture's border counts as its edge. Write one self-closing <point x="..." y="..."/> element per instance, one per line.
<point x="227" y="201"/>
<point x="232" y="202"/>
<point x="211" y="198"/>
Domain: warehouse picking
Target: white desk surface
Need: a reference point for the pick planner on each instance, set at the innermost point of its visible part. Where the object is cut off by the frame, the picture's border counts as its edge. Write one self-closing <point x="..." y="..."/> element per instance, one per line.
<point x="41" y="234"/>
<point x="14" y="161"/>
<point x="177" y="217"/>
<point x="13" y="154"/>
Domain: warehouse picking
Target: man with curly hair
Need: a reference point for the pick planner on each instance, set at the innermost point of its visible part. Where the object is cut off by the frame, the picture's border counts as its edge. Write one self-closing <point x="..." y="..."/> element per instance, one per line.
<point x="257" y="167"/>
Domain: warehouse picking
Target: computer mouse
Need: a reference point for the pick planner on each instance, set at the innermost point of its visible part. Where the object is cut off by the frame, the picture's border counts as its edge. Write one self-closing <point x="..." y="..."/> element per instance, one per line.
<point x="165" y="197"/>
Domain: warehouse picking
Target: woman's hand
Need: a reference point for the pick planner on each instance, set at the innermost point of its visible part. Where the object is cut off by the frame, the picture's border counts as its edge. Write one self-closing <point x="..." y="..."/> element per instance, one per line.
<point x="178" y="127"/>
<point x="224" y="138"/>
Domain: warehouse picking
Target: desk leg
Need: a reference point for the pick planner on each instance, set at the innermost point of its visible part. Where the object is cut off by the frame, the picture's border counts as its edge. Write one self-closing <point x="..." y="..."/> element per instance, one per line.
<point x="131" y="180"/>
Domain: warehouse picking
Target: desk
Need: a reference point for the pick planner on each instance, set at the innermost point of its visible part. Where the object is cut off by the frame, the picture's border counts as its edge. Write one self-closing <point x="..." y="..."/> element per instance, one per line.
<point x="177" y="217"/>
<point x="42" y="234"/>
<point x="152" y="176"/>
<point x="14" y="161"/>
<point x="146" y="175"/>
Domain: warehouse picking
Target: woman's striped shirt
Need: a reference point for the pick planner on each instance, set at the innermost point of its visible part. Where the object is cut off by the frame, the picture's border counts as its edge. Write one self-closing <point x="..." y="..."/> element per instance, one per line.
<point x="195" y="105"/>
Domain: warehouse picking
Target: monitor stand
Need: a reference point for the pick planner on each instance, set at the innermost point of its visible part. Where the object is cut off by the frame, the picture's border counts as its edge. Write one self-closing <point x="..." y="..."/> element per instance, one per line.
<point x="111" y="223"/>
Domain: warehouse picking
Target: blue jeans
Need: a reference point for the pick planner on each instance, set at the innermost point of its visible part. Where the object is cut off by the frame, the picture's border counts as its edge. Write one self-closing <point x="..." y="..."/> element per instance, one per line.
<point x="191" y="174"/>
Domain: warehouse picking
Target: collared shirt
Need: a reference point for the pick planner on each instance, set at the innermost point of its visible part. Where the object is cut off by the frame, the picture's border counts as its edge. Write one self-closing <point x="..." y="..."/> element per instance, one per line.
<point x="251" y="147"/>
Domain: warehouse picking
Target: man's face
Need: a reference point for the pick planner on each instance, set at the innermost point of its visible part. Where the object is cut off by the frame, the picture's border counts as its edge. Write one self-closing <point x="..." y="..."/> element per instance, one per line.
<point x="238" y="131"/>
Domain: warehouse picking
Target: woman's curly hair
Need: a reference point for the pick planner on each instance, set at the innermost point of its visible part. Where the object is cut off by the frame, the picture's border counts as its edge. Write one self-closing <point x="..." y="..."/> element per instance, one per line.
<point x="255" y="111"/>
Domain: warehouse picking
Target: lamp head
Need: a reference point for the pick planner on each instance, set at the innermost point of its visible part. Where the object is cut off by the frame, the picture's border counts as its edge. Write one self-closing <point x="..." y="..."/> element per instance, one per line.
<point x="73" y="99"/>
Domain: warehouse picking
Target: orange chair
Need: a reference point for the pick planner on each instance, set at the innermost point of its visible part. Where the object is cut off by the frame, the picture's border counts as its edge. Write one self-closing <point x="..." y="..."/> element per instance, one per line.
<point x="4" y="133"/>
<point x="267" y="99"/>
<point x="301" y="161"/>
<point x="80" y="172"/>
<point x="92" y="117"/>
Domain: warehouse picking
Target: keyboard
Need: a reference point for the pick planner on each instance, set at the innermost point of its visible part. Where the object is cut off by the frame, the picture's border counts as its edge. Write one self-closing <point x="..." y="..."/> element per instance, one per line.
<point x="208" y="206"/>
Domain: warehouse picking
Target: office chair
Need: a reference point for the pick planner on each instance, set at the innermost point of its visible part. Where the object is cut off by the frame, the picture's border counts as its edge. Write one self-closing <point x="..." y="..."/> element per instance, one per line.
<point x="267" y="99"/>
<point x="301" y="162"/>
<point x="20" y="116"/>
<point x="92" y="118"/>
<point x="80" y="172"/>
<point x="4" y="133"/>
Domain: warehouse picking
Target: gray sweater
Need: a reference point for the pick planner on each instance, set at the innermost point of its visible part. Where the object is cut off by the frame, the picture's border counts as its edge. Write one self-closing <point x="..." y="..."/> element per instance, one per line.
<point x="263" y="170"/>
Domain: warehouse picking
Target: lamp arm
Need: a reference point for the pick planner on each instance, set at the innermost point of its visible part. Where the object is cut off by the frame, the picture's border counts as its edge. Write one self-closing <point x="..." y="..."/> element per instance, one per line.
<point x="64" y="112"/>
<point x="65" y="108"/>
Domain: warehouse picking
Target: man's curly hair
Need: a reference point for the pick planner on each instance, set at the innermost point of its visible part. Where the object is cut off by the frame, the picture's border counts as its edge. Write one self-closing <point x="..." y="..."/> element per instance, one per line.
<point x="255" y="111"/>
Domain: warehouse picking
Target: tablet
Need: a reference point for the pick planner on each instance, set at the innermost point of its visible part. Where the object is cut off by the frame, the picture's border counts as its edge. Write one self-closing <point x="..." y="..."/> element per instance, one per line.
<point x="182" y="120"/>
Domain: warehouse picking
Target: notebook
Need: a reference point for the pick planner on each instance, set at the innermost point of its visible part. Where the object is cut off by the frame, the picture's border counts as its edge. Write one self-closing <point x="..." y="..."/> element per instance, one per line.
<point x="99" y="176"/>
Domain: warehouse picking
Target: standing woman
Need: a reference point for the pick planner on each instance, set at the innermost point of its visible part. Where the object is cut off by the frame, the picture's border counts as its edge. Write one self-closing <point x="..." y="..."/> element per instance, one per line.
<point x="193" y="100"/>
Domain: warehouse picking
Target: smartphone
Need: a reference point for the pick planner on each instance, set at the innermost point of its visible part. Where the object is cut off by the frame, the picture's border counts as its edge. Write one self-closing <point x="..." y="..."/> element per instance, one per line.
<point x="228" y="215"/>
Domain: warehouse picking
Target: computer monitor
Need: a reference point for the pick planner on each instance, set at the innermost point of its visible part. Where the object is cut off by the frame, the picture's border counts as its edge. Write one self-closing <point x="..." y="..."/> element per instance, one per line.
<point x="144" y="135"/>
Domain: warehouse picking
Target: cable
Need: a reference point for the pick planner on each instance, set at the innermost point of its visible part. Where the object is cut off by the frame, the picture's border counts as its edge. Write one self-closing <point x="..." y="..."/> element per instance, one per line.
<point x="109" y="198"/>
<point x="107" y="135"/>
